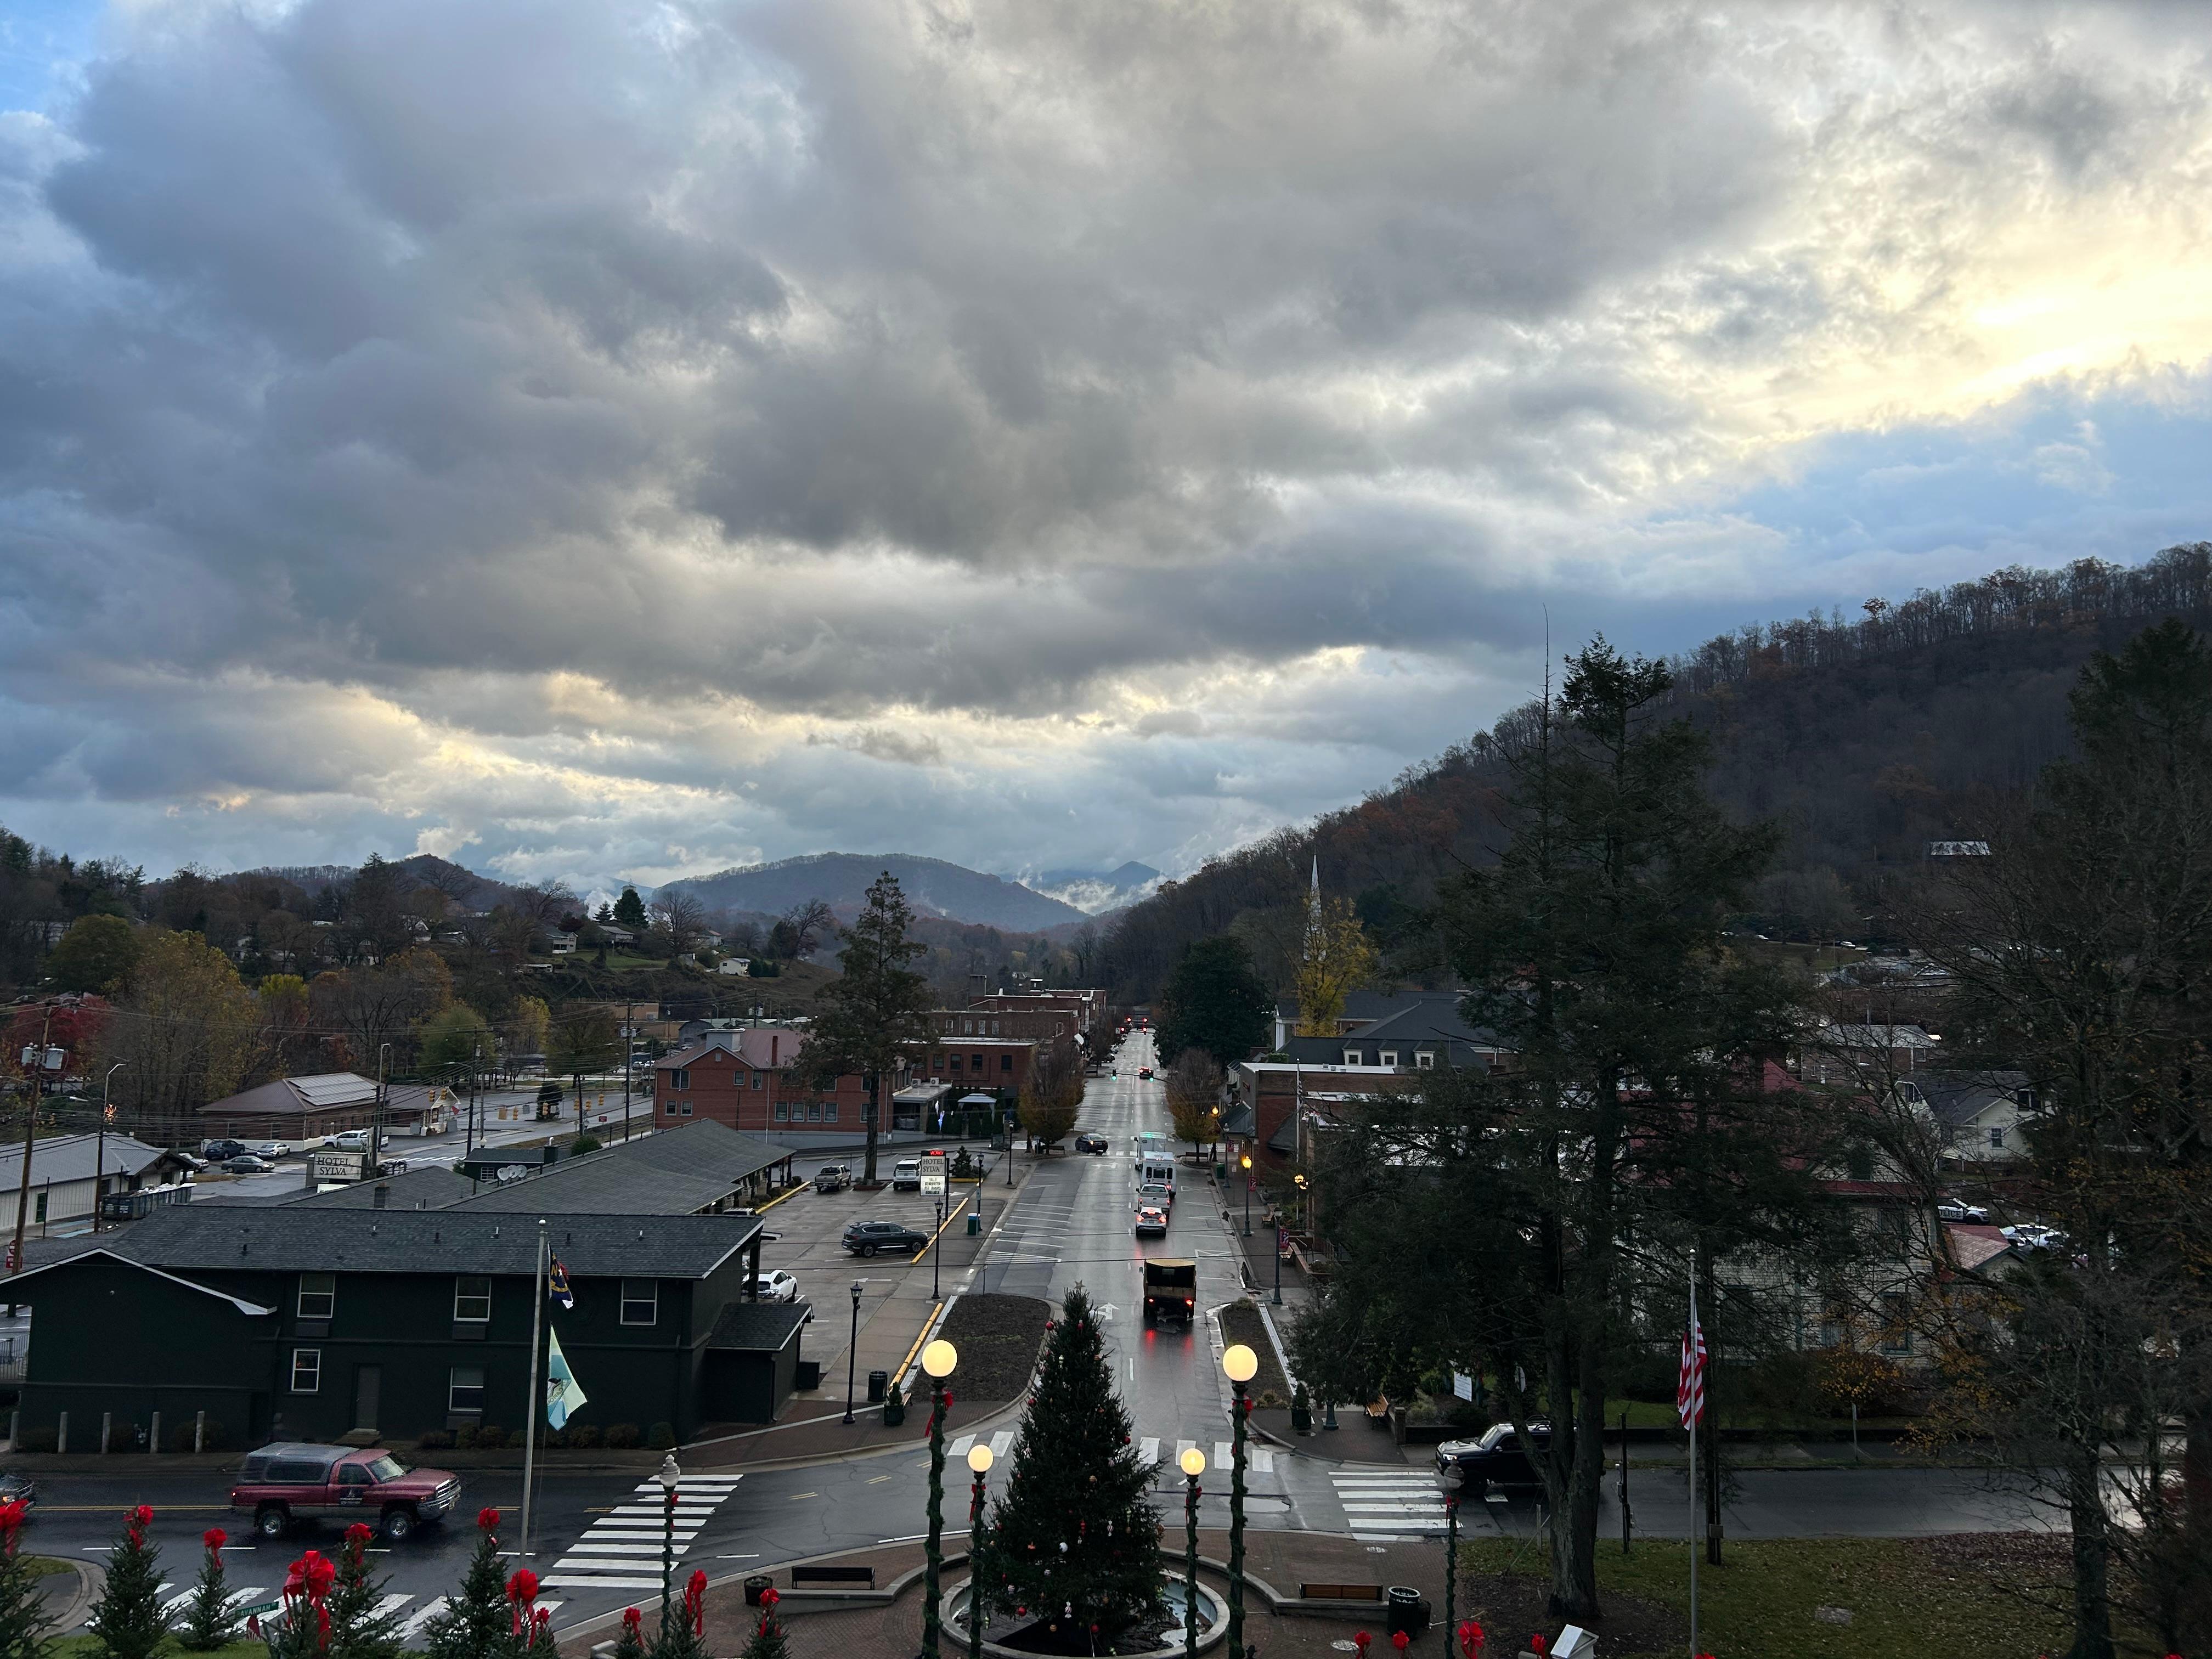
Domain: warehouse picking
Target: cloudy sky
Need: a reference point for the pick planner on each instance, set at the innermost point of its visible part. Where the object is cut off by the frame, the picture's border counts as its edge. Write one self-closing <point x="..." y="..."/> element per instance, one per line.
<point x="609" y="439"/>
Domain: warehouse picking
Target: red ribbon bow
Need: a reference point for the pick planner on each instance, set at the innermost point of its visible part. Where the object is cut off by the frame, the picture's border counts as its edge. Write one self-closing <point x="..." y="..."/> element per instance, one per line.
<point x="215" y="1538"/>
<point x="633" y="1621"/>
<point x="1470" y="1637"/>
<point x="486" y="1519"/>
<point x="359" y="1533"/>
<point x="695" y="1602"/>
<point x="1398" y="1639"/>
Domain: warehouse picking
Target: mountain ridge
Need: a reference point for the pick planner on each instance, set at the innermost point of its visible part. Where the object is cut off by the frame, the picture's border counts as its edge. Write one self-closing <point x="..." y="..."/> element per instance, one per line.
<point x="933" y="886"/>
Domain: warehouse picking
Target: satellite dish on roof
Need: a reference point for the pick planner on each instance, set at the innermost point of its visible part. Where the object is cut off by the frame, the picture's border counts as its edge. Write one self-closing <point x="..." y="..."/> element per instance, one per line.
<point x="513" y="1172"/>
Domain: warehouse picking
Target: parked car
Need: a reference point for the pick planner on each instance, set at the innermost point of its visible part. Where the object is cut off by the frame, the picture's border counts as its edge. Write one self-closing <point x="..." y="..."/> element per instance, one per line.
<point x="291" y="1481"/>
<point x="1497" y="1458"/>
<point x="1952" y="1209"/>
<point x="1155" y="1196"/>
<point x="246" y="1164"/>
<point x="20" y="1489"/>
<point x="348" y="1140"/>
<point x="1151" y="1221"/>
<point x="866" y="1238"/>
<point x="1090" y="1143"/>
<point x="778" y="1286"/>
<point x="273" y="1150"/>
<point x="217" y="1150"/>
<point x="192" y="1166"/>
<point x="906" y="1175"/>
<point x="833" y="1177"/>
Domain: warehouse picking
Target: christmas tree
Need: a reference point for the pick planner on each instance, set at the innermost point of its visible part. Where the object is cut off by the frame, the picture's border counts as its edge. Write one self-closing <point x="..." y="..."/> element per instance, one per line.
<point x="126" y="1621"/>
<point x="24" y="1628"/>
<point x="357" y="1630"/>
<point x="631" y="1644"/>
<point x="766" y="1641"/>
<point x="210" y="1621"/>
<point x="302" y="1630"/>
<point x="1073" y="1538"/>
<point x="684" y="1631"/>
<point x="477" y="1623"/>
<point x="530" y="1627"/>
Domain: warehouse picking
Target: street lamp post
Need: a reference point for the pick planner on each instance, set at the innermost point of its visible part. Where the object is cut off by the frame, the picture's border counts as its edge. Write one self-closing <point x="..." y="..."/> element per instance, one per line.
<point x="100" y="1157"/>
<point x="1453" y="1478"/>
<point x="668" y="1475"/>
<point x="852" y="1351"/>
<point x="1194" y="1465"/>
<point x="1244" y="1163"/>
<point x="1241" y="1366"/>
<point x="979" y="1461"/>
<point x="938" y="1360"/>
<point x="937" y="1252"/>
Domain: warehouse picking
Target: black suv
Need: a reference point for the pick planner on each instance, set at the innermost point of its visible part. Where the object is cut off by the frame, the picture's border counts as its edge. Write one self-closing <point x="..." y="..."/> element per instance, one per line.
<point x="866" y="1238"/>
<point x="1090" y="1143"/>
<point x="1496" y="1459"/>
<point x="217" y="1150"/>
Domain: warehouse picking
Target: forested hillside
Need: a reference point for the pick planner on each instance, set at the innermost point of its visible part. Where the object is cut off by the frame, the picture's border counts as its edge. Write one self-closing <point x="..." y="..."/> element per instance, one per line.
<point x="1865" y="738"/>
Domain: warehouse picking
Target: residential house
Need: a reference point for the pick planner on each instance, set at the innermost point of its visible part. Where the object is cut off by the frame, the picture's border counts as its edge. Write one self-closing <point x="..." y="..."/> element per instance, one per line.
<point x="1867" y="1053"/>
<point x="1414" y="1031"/>
<point x="1277" y="1101"/>
<point x="1979" y="1118"/>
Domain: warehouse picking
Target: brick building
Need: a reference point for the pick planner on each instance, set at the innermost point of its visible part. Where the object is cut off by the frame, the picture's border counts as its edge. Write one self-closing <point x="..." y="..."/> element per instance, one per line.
<point x="751" y="1080"/>
<point x="1265" y="1122"/>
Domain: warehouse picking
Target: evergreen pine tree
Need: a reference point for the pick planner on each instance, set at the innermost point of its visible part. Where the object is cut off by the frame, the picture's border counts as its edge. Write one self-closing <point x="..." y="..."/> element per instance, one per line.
<point x="357" y="1630"/>
<point x="1073" y="1535"/>
<point x="767" y="1640"/>
<point x="126" y="1620"/>
<point x="25" y="1627"/>
<point x="476" y="1624"/>
<point x="210" y="1621"/>
<point x="631" y="1644"/>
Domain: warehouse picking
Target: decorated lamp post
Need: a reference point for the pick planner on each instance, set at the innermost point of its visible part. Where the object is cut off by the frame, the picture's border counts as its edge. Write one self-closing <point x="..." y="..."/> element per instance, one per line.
<point x="1194" y="1465"/>
<point x="937" y="1359"/>
<point x="852" y="1352"/>
<point x="669" y="1475"/>
<point x="1240" y="1365"/>
<point x="1244" y="1163"/>
<point x="978" y="1461"/>
<point x="1452" y="1479"/>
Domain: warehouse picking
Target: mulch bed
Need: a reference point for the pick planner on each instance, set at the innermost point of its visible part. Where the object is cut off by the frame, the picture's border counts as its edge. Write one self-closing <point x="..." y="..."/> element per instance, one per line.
<point x="997" y="1337"/>
<point x="1510" y="1608"/>
<point x="1241" y="1322"/>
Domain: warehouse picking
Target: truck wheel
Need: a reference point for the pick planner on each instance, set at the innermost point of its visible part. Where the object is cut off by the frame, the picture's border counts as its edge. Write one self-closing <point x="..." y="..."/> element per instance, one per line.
<point x="867" y="1249"/>
<point x="399" y="1524"/>
<point x="272" y="1520"/>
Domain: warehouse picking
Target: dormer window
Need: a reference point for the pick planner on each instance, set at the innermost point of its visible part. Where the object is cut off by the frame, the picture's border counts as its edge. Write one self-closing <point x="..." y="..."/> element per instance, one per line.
<point x="1388" y="1057"/>
<point x="1425" y="1059"/>
<point x="1352" y="1056"/>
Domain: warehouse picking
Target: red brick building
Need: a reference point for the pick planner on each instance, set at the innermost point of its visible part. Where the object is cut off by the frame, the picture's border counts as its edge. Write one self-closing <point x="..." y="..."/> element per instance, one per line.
<point x="751" y="1080"/>
<point x="1271" y="1090"/>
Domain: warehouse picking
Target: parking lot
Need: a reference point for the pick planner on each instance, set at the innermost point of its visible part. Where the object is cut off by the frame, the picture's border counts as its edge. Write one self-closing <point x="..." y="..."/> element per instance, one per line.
<point x="896" y="1291"/>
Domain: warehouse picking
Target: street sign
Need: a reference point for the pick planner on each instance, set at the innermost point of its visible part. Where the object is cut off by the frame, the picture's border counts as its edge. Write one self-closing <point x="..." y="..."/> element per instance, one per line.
<point x="932" y="1174"/>
<point x="337" y="1165"/>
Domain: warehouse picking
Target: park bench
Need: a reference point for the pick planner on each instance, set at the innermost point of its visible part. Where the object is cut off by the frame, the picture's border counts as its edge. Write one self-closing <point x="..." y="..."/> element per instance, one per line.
<point x="865" y="1576"/>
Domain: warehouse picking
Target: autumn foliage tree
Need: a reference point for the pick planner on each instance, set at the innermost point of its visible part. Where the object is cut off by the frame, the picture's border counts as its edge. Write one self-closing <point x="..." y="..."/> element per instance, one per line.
<point x="1336" y="959"/>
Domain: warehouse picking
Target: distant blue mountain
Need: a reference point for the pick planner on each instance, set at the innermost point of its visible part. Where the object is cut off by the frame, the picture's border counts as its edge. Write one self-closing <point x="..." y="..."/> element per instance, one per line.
<point x="841" y="880"/>
<point x="1094" y="894"/>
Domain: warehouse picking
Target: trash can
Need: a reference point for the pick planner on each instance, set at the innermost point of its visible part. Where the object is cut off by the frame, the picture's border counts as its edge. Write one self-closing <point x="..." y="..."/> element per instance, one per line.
<point x="974" y="1224"/>
<point x="1404" y="1610"/>
<point x="880" y="1384"/>
<point x="809" y="1375"/>
<point x="755" y="1585"/>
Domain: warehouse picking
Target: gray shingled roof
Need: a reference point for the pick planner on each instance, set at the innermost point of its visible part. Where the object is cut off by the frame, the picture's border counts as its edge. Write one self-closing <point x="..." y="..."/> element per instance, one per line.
<point x="301" y="1238"/>
<point x="757" y="1327"/>
<point x="434" y="1187"/>
<point x="671" y="1172"/>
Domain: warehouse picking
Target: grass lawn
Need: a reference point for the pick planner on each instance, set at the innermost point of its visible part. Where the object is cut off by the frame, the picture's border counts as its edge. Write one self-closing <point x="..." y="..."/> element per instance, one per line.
<point x="69" y="1647"/>
<point x="1906" y="1597"/>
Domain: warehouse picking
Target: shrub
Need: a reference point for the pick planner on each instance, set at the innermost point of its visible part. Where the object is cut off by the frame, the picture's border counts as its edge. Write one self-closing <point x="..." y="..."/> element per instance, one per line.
<point x="625" y="1437"/>
<point x="490" y="1437"/>
<point x="663" y="1437"/>
<point x="435" y="1440"/>
<point x="583" y="1144"/>
<point x="39" y="1440"/>
<point x="586" y="1437"/>
<point x="181" y="1435"/>
<point x="465" y="1437"/>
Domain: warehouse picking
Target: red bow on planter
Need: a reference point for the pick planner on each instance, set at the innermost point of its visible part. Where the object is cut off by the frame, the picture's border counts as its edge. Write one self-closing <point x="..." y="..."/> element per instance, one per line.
<point x="633" y="1621"/>
<point x="486" y="1519"/>
<point x="1360" y="1640"/>
<point x="521" y="1591"/>
<point x="359" y="1533"/>
<point x="695" y="1602"/>
<point x="1470" y="1637"/>
<point x="1400" y="1640"/>
<point x="215" y="1538"/>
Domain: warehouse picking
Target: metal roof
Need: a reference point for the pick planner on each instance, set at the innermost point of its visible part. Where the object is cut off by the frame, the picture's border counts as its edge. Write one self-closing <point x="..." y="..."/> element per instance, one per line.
<point x="301" y="1238"/>
<point x="333" y="1088"/>
<point x="71" y="1157"/>
<point x="757" y="1326"/>
<point x="670" y="1172"/>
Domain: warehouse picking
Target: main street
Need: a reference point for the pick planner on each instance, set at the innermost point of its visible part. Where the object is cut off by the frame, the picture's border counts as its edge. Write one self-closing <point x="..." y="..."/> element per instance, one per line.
<point x="1070" y="1224"/>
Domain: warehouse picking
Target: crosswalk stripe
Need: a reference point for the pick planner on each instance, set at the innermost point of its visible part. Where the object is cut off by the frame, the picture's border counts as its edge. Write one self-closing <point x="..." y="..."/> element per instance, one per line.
<point x="390" y="1605"/>
<point x="564" y="1582"/>
<point x="251" y="1593"/>
<point x="1223" y="1453"/>
<point x="957" y="1451"/>
<point x="1148" y="1450"/>
<point x="592" y="1563"/>
<point x="638" y="1547"/>
<point x="423" y="1616"/>
<point x="1002" y="1443"/>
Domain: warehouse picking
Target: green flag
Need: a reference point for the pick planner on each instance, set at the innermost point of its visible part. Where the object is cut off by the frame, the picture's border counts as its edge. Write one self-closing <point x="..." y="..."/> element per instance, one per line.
<point x="562" y="1393"/>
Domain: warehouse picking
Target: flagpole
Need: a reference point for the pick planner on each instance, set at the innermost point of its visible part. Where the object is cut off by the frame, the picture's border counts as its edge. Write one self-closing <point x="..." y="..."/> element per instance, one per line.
<point x="537" y="1391"/>
<point x="1690" y="1360"/>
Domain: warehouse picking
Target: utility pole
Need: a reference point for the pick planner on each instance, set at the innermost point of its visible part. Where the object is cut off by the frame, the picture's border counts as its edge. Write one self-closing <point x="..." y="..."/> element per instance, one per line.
<point x="630" y="1042"/>
<point x="100" y="1156"/>
<point x="32" y="1075"/>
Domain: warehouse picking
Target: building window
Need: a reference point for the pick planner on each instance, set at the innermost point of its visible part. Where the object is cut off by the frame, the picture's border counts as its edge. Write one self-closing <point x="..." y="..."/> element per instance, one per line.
<point x="41" y="1216"/>
<point x="760" y="1079"/>
<point x="1425" y="1059"/>
<point x="318" y="1295"/>
<point x="979" y="1061"/>
<point x="680" y="1078"/>
<point x="1996" y="1142"/>
<point x="472" y="1299"/>
<point x="830" y="1112"/>
<point x="640" y="1301"/>
<point x="1896" y="1332"/>
<point x="955" y="1067"/>
<point x="814" y="1113"/>
<point x="1352" y="1056"/>
<point x="1388" y="1057"/>
<point x="684" y="1109"/>
<point x="782" y="1111"/>
<point x="464" y="1390"/>
<point x="1005" y="1062"/>
<point x="307" y="1370"/>
<point x="937" y="1063"/>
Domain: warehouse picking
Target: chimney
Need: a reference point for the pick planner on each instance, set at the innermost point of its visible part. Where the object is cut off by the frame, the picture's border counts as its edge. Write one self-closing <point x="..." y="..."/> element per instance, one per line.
<point x="383" y="1194"/>
<point x="774" y="1042"/>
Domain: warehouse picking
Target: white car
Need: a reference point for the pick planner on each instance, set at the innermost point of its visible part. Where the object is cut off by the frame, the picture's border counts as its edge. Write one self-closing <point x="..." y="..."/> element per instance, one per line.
<point x="1952" y="1209"/>
<point x="778" y="1286"/>
<point x="348" y="1140"/>
<point x="272" y="1149"/>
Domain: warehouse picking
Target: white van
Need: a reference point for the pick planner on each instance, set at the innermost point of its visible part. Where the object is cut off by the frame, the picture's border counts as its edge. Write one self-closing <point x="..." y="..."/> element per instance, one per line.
<point x="1153" y="1170"/>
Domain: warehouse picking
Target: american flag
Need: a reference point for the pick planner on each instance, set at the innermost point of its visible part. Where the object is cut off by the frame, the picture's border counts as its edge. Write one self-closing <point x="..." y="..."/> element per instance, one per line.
<point x="1690" y="1390"/>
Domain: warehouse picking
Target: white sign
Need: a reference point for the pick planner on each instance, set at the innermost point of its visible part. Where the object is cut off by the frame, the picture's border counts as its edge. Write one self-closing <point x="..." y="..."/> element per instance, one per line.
<point x="337" y="1166"/>
<point x="1462" y="1385"/>
<point x="932" y="1174"/>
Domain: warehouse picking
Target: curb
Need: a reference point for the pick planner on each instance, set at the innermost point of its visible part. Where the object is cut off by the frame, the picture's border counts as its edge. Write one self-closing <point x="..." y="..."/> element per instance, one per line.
<point x="90" y="1579"/>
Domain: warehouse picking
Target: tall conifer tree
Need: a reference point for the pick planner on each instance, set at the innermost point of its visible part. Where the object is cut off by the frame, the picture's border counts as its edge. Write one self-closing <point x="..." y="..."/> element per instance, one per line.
<point x="126" y="1620"/>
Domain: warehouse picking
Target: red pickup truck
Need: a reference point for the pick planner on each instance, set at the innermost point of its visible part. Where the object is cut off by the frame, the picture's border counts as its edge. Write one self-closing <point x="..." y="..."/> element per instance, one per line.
<point x="289" y="1482"/>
